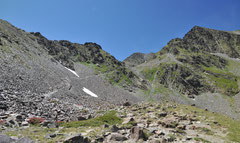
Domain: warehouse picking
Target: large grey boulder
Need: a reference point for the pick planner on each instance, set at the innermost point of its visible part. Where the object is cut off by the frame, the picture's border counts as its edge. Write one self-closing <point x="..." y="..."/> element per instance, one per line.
<point x="6" y="139"/>
<point x="116" y="137"/>
<point x="77" y="139"/>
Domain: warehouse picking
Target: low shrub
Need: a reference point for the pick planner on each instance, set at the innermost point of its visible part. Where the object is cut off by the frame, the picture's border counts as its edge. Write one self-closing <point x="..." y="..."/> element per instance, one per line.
<point x="35" y="120"/>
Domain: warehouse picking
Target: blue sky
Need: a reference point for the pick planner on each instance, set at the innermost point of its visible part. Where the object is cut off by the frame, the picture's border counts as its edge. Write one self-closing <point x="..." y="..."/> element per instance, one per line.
<point x="121" y="27"/>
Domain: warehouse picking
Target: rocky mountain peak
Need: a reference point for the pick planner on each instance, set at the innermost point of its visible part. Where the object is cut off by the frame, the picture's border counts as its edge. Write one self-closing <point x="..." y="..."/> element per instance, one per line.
<point x="139" y="58"/>
<point x="90" y="44"/>
<point x="200" y="39"/>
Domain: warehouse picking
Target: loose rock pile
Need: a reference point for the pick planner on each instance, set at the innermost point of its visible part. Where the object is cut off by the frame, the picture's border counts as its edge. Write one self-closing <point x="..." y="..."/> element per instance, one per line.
<point x="17" y="108"/>
<point x="141" y="123"/>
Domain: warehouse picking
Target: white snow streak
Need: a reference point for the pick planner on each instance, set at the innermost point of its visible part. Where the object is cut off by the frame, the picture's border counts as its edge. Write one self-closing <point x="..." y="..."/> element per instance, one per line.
<point x="89" y="92"/>
<point x="84" y="89"/>
<point x="72" y="71"/>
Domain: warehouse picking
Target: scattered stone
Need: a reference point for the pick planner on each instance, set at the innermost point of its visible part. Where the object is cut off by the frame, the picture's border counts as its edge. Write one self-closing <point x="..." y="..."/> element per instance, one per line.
<point x="127" y="120"/>
<point x="49" y="136"/>
<point x="25" y="123"/>
<point x="106" y="126"/>
<point x="114" y="128"/>
<point x="127" y="104"/>
<point x="162" y="114"/>
<point x="81" y="118"/>
<point x="181" y="127"/>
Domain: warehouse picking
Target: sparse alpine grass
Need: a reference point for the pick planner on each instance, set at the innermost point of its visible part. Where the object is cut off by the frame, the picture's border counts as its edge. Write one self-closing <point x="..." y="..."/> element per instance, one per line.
<point x="108" y="118"/>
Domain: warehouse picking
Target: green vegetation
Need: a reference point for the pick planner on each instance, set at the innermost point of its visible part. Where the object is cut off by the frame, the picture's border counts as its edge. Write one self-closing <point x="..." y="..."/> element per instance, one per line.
<point x="37" y="133"/>
<point x="180" y="131"/>
<point x="216" y="70"/>
<point x="207" y="131"/>
<point x="129" y="125"/>
<point x="234" y="67"/>
<point x="6" y="49"/>
<point x="147" y="134"/>
<point x="172" y="137"/>
<point x="149" y="73"/>
<point x="161" y="89"/>
<point x="103" y="68"/>
<point x="108" y="118"/>
<point x="228" y="86"/>
<point x="114" y="76"/>
<point x="201" y="140"/>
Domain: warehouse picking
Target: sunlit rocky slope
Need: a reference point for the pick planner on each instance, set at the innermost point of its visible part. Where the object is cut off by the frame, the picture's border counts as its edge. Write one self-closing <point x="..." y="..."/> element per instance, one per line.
<point x="202" y="68"/>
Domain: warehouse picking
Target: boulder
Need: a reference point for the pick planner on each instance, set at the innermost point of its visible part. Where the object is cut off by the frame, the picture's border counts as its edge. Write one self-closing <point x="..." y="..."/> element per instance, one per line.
<point x="49" y="124"/>
<point x="114" y="128"/>
<point x="116" y="137"/>
<point x="162" y="114"/>
<point x="6" y="139"/>
<point x="49" y="136"/>
<point x="77" y="139"/>
<point x="25" y="123"/>
<point x="137" y="133"/>
<point x="106" y="126"/>
<point x="127" y="104"/>
<point x="81" y="118"/>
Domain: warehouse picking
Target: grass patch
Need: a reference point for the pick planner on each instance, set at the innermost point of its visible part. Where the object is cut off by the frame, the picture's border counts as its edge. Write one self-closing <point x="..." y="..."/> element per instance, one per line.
<point x="114" y="76"/>
<point x="215" y="70"/>
<point x="149" y="73"/>
<point x="234" y="67"/>
<point x="207" y="131"/>
<point x="162" y="90"/>
<point x="36" y="133"/>
<point x="201" y="140"/>
<point x="227" y="85"/>
<point x="108" y="118"/>
<point x="172" y="137"/>
<point x="129" y="125"/>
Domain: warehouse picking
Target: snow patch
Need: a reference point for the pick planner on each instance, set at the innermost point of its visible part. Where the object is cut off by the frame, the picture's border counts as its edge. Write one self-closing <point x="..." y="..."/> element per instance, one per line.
<point x="89" y="92"/>
<point x="72" y="71"/>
